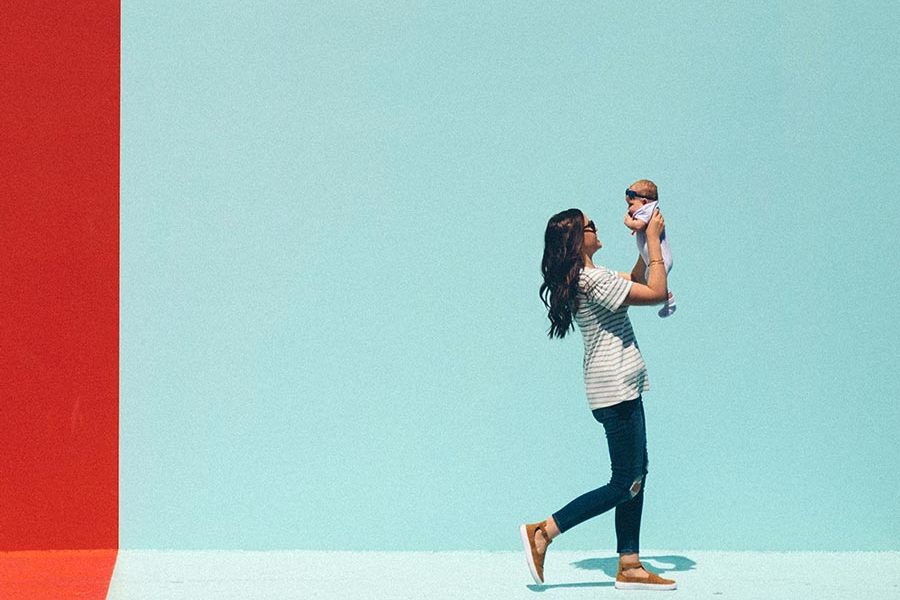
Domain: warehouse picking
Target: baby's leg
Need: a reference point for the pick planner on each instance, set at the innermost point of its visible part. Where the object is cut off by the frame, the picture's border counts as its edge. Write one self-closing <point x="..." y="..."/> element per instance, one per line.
<point x="666" y="253"/>
<point x="668" y="308"/>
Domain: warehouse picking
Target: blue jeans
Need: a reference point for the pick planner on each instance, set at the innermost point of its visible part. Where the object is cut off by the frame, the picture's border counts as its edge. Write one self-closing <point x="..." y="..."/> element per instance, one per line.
<point x="626" y="436"/>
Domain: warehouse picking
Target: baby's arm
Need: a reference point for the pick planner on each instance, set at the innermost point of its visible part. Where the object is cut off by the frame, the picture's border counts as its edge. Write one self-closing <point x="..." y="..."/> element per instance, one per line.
<point x="634" y="224"/>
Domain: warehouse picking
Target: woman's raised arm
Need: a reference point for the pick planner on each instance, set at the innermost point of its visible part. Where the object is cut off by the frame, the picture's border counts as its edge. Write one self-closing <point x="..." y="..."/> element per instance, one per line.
<point x="656" y="289"/>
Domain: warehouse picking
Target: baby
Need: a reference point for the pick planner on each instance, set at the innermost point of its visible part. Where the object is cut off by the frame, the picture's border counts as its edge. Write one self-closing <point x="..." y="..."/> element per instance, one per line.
<point x="642" y="198"/>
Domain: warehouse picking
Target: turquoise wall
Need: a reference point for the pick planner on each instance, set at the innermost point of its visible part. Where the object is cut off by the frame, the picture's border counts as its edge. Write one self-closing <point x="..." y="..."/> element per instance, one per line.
<point x="331" y="228"/>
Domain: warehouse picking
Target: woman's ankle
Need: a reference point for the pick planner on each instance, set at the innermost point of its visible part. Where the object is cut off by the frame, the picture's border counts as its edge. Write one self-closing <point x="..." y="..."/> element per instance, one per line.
<point x="550" y="527"/>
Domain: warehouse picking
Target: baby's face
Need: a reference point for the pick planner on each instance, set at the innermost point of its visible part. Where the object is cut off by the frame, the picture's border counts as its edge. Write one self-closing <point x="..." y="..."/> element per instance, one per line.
<point x="634" y="204"/>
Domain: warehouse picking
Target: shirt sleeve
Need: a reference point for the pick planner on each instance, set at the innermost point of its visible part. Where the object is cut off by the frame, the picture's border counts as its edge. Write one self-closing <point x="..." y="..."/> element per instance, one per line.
<point x="604" y="287"/>
<point x="645" y="212"/>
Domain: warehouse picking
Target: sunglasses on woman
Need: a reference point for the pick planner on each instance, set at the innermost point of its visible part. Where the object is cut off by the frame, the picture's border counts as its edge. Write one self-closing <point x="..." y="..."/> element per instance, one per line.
<point x="590" y="227"/>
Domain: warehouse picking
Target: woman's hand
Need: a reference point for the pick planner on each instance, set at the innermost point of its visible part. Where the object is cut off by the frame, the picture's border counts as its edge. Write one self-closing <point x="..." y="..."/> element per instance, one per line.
<point x="657" y="224"/>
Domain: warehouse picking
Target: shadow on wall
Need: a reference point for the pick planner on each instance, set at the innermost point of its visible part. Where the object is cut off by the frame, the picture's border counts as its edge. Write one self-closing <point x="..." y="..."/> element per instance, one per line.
<point x="661" y="564"/>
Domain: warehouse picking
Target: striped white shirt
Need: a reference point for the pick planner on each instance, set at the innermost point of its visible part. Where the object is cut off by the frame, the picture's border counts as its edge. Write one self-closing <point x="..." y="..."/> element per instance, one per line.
<point x="614" y="370"/>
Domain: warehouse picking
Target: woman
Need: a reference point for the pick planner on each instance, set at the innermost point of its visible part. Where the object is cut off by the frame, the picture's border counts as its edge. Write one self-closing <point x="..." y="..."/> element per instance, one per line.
<point x="615" y="377"/>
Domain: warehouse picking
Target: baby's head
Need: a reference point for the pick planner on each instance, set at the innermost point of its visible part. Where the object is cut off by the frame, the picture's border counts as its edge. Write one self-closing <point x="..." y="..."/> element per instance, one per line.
<point x="644" y="191"/>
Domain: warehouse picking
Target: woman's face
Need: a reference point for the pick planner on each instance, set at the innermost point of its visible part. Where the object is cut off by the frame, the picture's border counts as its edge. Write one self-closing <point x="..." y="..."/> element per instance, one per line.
<point x="591" y="242"/>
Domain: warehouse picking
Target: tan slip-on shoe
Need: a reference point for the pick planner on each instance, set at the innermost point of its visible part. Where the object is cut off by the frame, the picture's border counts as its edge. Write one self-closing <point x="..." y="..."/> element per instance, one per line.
<point x="654" y="582"/>
<point x="534" y="558"/>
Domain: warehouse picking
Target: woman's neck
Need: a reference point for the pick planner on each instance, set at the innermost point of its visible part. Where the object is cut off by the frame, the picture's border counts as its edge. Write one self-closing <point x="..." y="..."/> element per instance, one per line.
<point x="588" y="262"/>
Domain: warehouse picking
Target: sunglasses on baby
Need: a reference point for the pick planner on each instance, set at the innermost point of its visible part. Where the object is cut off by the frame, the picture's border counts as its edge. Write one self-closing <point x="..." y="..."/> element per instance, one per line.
<point x="633" y="194"/>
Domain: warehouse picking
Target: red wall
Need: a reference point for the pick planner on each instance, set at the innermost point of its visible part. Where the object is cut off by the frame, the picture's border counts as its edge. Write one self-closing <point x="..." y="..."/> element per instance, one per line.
<point x="59" y="241"/>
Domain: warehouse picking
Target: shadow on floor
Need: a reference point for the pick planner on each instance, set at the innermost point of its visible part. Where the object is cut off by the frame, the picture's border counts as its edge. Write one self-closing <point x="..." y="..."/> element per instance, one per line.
<point x="661" y="564"/>
<point x="588" y="584"/>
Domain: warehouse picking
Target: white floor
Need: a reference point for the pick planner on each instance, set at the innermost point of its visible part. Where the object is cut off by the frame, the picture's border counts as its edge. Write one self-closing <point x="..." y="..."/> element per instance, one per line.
<point x="221" y="575"/>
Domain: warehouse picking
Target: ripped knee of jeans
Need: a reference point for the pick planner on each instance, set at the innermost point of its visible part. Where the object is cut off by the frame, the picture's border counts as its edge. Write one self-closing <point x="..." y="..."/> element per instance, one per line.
<point x="635" y="488"/>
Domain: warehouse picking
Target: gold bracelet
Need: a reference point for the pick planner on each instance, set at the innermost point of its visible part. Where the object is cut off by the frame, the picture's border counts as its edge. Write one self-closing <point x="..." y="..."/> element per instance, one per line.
<point x="658" y="260"/>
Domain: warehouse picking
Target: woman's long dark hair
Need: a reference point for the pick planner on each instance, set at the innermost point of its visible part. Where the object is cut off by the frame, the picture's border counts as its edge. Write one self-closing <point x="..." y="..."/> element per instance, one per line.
<point x="561" y="265"/>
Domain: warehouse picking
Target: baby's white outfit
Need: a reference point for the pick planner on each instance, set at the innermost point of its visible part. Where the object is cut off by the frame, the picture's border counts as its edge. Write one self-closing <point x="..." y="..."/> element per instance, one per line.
<point x="644" y="213"/>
